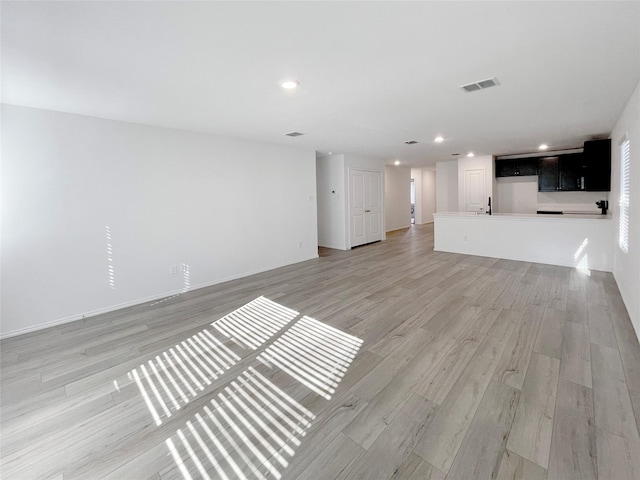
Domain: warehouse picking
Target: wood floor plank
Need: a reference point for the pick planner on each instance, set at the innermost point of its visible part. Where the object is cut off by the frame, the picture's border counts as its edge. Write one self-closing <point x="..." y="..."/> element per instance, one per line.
<point x="415" y="468"/>
<point x="617" y="438"/>
<point x="635" y="402"/>
<point x="532" y="428"/>
<point x="513" y="363"/>
<point x="384" y="407"/>
<point x="549" y="340"/>
<point x="325" y="428"/>
<point x="335" y="461"/>
<point x="495" y="341"/>
<point x="627" y="341"/>
<point x="600" y="326"/>
<point x="616" y="457"/>
<point x="440" y="380"/>
<point x="379" y="377"/>
<point x="575" y="362"/>
<point x="403" y="432"/>
<point x="515" y="467"/>
<point x="485" y="442"/>
<point x="577" y="308"/>
<point x="445" y="434"/>
<point x="573" y="445"/>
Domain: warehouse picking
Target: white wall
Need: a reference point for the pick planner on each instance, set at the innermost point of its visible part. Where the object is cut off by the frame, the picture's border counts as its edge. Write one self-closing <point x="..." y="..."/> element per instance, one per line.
<point x="626" y="267"/>
<point x="485" y="162"/>
<point x="397" y="198"/>
<point x="227" y="208"/>
<point x="330" y="172"/>
<point x="517" y="195"/>
<point x="447" y="186"/>
<point x="428" y="195"/>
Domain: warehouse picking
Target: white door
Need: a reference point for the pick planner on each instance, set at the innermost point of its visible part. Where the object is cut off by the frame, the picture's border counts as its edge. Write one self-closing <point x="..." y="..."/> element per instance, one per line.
<point x="365" y="206"/>
<point x="474" y="190"/>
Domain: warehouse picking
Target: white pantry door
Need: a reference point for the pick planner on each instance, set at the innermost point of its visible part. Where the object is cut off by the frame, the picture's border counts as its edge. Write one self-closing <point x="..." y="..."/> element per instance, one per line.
<point x="365" y="206"/>
<point x="474" y="190"/>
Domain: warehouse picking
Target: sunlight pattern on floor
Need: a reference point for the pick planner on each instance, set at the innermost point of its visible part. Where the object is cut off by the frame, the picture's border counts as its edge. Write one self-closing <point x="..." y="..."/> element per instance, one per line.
<point x="313" y="353"/>
<point x="171" y="379"/>
<point x="254" y="323"/>
<point x="249" y="430"/>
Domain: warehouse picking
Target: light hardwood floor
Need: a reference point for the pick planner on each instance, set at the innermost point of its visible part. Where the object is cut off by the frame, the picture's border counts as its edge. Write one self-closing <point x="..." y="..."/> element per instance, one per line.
<point x="387" y="361"/>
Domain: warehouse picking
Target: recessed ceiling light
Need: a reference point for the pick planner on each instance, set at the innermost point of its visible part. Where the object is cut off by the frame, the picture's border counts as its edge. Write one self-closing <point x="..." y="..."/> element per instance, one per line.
<point x="396" y="163"/>
<point x="470" y="154"/>
<point x="544" y="146"/>
<point x="289" y="84"/>
<point x="439" y="139"/>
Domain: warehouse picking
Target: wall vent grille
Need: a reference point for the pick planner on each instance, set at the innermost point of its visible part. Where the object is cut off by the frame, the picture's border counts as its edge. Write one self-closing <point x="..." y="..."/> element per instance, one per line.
<point x="294" y="134"/>
<point x="481" y="85"/>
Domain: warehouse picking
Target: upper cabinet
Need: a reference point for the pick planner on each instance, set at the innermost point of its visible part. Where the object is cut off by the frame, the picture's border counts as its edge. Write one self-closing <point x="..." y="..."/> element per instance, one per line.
<point x="517" y="167"/>
<point x="589" y="171"/>
<point x="548" y="174"/>
<point x="597" y="155"/>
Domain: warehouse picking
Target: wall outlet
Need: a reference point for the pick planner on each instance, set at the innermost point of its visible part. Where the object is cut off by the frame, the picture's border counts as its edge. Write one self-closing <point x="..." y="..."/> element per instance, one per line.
<point x="174" y="269"/>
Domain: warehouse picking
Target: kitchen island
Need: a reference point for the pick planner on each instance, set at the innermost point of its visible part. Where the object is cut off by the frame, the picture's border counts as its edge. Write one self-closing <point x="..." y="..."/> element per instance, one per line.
<point x="582" y="241"/>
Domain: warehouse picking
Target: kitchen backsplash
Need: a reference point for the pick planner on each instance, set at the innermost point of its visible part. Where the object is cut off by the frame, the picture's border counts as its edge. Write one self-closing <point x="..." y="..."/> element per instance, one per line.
<point x="520" y="195"/>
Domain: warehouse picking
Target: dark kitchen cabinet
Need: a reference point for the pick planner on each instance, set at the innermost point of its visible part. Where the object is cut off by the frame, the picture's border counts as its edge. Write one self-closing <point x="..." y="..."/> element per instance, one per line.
<point x="574" y="171"/>
<point x="598" y="159"/>
<point x="517" y="167"/>
<point x="588" y="171"/>
<point x="548" y="174"/>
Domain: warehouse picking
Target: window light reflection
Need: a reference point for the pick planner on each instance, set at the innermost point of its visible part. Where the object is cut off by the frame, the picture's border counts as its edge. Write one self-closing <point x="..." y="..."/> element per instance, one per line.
<point x="183" y="371"/>
<point x="254" y="323"/>
<point x="250" y="430"/>
<point x="322" y="371"/>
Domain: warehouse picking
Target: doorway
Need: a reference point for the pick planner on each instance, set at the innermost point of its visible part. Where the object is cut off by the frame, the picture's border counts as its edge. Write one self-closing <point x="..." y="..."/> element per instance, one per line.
<point x="365" y="206"/>
<point x="474" y="190"/>
<point x="413" y="201"/>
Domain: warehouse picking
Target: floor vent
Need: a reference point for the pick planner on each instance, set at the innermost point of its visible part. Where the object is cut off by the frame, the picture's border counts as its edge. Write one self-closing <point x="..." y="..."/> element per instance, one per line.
<point x="482" y="84"/>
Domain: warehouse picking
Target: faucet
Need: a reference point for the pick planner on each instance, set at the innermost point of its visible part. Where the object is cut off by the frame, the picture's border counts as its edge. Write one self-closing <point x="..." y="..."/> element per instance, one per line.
<point x="489" y="212"/>
<point x="603" y="205"/>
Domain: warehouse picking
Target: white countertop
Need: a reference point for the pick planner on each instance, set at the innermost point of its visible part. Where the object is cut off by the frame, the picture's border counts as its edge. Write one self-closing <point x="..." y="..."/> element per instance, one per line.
<point x="528" y="216"/>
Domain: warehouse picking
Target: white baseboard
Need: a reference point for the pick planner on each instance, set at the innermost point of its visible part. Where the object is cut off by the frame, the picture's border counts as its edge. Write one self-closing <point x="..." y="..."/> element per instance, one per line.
<point x="139" y="301"/>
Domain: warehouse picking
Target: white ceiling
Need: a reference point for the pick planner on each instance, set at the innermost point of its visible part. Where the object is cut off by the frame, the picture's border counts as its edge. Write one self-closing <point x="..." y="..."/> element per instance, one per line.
<point x="372" y="74"/>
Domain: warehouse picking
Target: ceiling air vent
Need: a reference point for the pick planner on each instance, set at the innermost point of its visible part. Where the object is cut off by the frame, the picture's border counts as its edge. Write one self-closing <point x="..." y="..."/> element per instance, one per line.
<point x="482" y="84"/>
<point x="293" y="134"/>
<point x="411" y="142"/>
